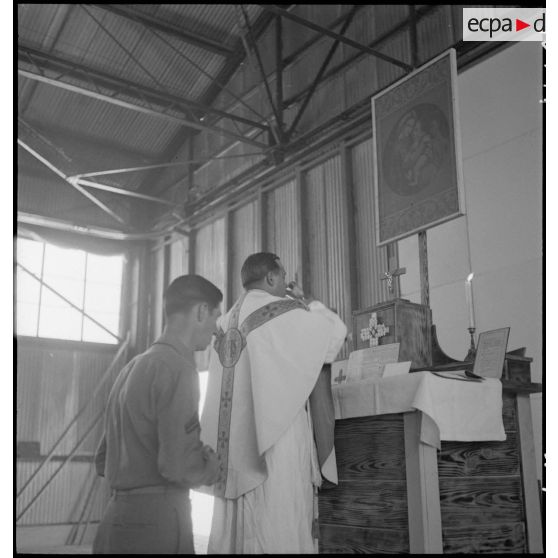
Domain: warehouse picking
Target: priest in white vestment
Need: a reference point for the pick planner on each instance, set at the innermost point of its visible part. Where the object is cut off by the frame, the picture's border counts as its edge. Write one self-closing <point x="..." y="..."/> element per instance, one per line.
<point x="264" y="364"/>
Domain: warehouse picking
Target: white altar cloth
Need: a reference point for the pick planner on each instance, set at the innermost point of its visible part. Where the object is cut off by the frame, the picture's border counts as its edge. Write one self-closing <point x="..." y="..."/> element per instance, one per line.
<point x="452" y="409"/>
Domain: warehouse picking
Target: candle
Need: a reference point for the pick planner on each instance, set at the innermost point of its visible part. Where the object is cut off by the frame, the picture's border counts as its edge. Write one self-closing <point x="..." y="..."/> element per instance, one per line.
<point x="469" y="296"/>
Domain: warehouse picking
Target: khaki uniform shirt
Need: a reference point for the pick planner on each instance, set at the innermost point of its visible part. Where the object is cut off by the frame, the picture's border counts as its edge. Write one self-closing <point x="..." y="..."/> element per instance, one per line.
<point x="152" y="432"/>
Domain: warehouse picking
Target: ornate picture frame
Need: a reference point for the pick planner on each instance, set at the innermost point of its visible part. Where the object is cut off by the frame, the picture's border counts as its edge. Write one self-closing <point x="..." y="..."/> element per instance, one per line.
<point x="418" y="180"/>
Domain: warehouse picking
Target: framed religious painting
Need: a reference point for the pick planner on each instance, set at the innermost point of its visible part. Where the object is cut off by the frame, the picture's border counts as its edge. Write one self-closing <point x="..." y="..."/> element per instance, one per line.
<point x="417" y="151"/>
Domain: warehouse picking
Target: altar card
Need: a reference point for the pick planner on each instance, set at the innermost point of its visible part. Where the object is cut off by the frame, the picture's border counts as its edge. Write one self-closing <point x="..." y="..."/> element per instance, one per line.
<point x="370" y="363"/>
<point x="491" y="352"/>
<point x="396" y="368"/>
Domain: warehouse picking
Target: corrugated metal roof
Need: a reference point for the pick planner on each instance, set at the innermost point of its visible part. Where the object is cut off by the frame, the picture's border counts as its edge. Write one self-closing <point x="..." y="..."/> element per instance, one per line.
<point x="34" y="24"/>
<point x="102" y="121"/>
<point x="92" y="37"/>
<point x="216" y="21"/>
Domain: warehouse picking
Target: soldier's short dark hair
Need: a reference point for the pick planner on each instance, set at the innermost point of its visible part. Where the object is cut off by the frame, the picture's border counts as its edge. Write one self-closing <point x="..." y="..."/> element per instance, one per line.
<point x="188" y="290"/>
<point x="257" y="266"/>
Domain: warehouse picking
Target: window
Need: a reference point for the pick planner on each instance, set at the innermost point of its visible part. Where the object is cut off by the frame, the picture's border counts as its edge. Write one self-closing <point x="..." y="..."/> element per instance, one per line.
<point x="90" y="282"/>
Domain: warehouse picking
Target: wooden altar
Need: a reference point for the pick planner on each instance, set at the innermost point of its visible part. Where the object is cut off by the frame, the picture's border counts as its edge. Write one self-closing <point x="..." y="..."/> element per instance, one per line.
<point x="399" y="495"/>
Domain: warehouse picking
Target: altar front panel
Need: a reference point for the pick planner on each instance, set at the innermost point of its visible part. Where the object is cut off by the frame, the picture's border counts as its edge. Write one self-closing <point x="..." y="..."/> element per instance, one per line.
<point x="481" y="497"/>
<point x="367" y="511"/>
<point x="480" y="484"/>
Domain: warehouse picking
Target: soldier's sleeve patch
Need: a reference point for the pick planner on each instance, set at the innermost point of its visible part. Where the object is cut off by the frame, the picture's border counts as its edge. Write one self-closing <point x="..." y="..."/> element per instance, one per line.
<point x="192" y="425"/>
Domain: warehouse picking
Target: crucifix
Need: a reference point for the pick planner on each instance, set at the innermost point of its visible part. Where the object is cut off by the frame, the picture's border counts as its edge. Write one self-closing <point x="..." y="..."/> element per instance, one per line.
<point x="389" y="276"/>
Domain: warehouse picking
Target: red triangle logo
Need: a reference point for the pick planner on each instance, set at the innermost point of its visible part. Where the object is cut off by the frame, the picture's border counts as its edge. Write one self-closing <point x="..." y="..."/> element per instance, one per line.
<point x="519" y="25"/>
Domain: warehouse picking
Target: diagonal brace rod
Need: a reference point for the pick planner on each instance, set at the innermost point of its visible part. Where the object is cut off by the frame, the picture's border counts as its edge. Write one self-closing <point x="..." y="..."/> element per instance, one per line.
<point x="321" y="72"/>
<point x="79" y="188"/>
<point x="325" y="31"/>
<point x="122" y="191"/>
<point x="252" y="44"/>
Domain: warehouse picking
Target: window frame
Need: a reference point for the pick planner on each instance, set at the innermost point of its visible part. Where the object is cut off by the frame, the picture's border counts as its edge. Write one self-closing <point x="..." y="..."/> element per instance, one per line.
<point x="80" y="308"/>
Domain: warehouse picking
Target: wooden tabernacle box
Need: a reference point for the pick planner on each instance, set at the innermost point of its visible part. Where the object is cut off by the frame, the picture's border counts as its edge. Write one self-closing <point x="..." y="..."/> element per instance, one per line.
<point x="396" y="321"/>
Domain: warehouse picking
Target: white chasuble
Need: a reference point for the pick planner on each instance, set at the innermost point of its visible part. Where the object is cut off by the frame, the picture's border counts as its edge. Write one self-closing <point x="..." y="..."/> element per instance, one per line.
<point x="255" y="417"/>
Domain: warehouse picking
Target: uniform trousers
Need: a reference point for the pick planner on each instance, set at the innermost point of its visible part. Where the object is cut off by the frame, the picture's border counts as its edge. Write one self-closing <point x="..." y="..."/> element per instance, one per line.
<point x="139" y="522"/>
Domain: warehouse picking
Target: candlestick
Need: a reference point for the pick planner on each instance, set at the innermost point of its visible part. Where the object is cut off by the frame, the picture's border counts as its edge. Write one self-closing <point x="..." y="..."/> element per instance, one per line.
<point x="472" y="353"/>
<point x="469" y="297"/>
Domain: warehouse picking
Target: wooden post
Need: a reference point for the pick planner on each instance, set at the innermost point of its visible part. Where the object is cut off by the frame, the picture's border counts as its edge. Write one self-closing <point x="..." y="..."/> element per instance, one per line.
<point x="533" y="519"/>
<point x="392" y="263"/>
<point x="423" y="263"/>
<point x="346" y="169"/>
<point x="423" y="491"/>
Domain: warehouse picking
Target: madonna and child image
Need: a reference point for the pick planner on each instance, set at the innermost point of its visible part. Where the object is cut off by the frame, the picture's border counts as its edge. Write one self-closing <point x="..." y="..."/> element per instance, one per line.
<point x="416" y="150"/>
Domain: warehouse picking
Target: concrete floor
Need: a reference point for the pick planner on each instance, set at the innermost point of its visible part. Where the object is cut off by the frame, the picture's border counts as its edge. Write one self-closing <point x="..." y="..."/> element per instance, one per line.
<point x="71" y="549"/>
<point x="200" y="547"/>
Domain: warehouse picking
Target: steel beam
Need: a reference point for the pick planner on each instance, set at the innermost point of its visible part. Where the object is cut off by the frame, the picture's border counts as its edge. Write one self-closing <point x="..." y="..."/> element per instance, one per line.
<point x="86" y="230"/>
<point x="47" y="61"/>
<point x="138" y="108"/>
<point x="359" y="46"/>
<point x="168" y="28"/>
<point x="279" y="71"/>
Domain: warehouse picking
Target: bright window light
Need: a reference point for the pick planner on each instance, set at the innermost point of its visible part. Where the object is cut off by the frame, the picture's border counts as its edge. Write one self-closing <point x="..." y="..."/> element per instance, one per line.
<point x="202" y="504"/>
<point x="90" y="282"/>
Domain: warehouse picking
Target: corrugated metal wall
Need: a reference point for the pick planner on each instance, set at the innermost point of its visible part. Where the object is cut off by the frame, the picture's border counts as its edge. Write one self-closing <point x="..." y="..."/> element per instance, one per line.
<point x="64" y="498"/>
<point x="282" y="226"/>
<point x="244" y="240"/>
<point x="179" y="254"/>
<point x="156" y="294"/>
<point x="434" y="33"/>
<point x="325" y="234"/>
<point x="211" y="252"/>
<point x="53" y="385"/>
<point x="210" y="262"/>
<point x="326" y="238"/>
<point x="370" y="260"/>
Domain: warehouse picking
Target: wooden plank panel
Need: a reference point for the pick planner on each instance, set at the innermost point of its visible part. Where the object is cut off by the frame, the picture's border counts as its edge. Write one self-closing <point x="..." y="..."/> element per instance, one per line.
<point x="372" y="504"/>
<point x="529" y="474"/>
<point x="480" y="501"/>
<point x="508" y="537"/>
<point x="509" y="414"/>
<point x="370" y="448"/>
<point x="335" y="539"/>
<point x="470" y="459"/>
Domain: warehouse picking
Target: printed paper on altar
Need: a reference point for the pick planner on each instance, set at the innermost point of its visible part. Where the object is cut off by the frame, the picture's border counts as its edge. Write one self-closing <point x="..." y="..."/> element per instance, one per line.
<point x="370" y="363"/>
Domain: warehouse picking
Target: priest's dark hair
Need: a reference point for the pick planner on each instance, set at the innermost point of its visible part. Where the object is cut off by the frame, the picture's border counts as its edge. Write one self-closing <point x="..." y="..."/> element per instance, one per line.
<point x="188" y="290"/>
<point x="257" y="266"/>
